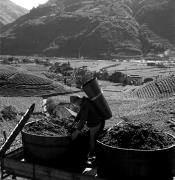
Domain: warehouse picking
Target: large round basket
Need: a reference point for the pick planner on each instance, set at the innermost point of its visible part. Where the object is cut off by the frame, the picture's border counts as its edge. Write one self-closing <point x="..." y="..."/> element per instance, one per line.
<point x="59" y="151"/>
<point x="120" y="163"/>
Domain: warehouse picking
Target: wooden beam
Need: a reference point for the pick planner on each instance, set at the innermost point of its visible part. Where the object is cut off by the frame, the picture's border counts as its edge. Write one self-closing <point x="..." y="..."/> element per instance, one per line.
<point x="33" y="171"/>
<point x="16" y="154"/>
<point x="16" y="131"/>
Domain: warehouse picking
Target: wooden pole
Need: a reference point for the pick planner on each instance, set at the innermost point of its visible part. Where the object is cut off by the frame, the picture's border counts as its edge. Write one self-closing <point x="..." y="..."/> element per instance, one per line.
<point x="16" y="130"/>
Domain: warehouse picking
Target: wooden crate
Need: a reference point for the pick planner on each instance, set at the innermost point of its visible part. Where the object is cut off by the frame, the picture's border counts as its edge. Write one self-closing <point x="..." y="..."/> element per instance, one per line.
<point x="14" y="164"/>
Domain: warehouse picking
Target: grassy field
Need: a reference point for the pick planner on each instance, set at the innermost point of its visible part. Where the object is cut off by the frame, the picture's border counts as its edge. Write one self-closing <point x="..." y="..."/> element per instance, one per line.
<point x="112" y="91"/>
<point x="135" y="68"/>
<point x="21" y="103"/>
<point x="159" y="112"/>
<point x="129" y="68"/>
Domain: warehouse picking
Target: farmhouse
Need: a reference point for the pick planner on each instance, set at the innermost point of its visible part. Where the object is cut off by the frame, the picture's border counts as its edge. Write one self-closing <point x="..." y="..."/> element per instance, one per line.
<point x="151" y="63"/>
<point x="135" y="79"/>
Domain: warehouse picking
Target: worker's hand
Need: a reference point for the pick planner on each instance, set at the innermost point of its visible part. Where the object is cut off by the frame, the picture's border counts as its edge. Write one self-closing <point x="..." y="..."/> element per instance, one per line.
<point x="75" y="134"/>
<point x="90" y="172"/>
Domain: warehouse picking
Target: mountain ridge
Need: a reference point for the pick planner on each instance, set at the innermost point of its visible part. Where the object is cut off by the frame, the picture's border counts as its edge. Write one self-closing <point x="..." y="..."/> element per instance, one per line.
<point x="94" y="28"/>
<point x="10" y="11"/>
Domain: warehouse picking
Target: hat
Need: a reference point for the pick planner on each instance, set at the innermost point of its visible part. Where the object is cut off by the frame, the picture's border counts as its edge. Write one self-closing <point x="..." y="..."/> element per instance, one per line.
<point x="74" y="99"/>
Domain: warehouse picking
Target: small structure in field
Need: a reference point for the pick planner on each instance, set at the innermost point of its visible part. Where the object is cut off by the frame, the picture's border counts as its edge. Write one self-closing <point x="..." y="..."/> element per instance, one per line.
<point x="135" y="80"/>
<point x="151" y="64"/>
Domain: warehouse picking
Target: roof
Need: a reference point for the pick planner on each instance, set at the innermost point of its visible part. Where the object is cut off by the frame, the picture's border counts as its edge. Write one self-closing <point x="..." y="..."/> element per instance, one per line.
<point x="135" y="76"/>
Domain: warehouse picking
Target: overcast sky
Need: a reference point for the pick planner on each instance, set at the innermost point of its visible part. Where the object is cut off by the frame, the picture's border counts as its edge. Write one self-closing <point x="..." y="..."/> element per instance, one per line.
<point x="29" y="4"/>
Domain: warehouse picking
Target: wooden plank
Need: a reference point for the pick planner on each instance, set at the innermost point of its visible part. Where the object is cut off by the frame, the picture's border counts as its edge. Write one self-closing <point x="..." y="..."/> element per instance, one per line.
<point x="16" y="131"/>
<point x="16" y="154"/>
<point x="33" y="171"/>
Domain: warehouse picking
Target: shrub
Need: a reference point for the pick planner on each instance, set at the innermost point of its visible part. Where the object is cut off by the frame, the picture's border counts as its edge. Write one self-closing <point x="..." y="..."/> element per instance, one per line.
<point x="148" y="79"/>
<point x="117" y="77"/>
<point x="60" y="68"/>
<point x="82" y="75"/>
<point x="102" y="75"/>
<point x="9" y="113"/>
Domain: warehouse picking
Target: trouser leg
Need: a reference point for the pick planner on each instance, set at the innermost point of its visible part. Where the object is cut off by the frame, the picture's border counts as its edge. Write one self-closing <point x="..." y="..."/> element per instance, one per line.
<point x="101" y="128"/>
<point x="93" y="134"/>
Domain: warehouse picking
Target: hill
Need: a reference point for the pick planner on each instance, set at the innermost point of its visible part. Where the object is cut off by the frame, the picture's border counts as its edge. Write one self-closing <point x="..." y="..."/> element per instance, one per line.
<point x="9" y="12"/>
<point x="159" y="18"/>
<point x="14" y="83"/>
<point x="93" y="29"/>
<point x="160" y="88"/>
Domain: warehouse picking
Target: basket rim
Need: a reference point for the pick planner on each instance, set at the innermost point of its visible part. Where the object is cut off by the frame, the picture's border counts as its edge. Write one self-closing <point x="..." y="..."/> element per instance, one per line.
<point x="36" y="135"/>
<point x="136" y="150"/>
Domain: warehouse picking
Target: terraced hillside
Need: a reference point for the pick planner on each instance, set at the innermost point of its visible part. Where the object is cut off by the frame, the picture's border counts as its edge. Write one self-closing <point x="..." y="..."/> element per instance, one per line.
<point x="158" y="88"/>
<point x="15" y="83"/>
<point x="152" y="41"/>
<point x="159" y="16"/>
<point x="99" y="28"/>
<point x="28" y="79"/>
<point x="5" y="74"/>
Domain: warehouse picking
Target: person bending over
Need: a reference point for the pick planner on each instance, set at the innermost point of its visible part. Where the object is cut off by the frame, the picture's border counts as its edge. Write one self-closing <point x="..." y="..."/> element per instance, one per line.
<point x="90" y="115"/>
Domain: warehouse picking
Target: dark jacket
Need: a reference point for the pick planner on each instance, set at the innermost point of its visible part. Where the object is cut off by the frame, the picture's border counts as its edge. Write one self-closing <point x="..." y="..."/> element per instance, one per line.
<point x="88" y="113"/>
